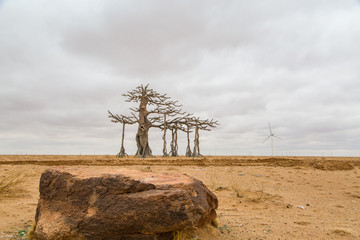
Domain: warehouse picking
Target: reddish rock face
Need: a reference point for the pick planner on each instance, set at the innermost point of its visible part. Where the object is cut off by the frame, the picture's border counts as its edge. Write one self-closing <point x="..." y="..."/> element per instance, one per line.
<point x="119" y="204"/>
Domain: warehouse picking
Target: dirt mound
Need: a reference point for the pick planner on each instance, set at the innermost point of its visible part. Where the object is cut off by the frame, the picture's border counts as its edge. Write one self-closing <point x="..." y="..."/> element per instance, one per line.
<point x="321" y="163"/>
<point x="331" y="165"/>
<point x="328" y="165"/>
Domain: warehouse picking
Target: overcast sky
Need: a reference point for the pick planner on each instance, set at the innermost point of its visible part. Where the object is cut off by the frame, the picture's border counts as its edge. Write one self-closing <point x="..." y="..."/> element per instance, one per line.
<point x="295" y="64"/>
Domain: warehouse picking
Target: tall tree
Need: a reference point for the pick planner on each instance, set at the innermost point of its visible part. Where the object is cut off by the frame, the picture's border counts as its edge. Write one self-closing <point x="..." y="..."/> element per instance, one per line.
<point x="174" y="125"/>
<point x="188" y="126"/>
<point x="188" y="148"/>
<point x="201" y="125"/>
<point x="170" y="110"/>
<point x="145" y="96"/>
<point x="124" y="120"/>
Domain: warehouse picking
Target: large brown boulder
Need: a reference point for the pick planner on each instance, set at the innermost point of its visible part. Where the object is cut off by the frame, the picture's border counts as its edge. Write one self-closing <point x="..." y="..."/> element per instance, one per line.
<point x="119" y="204"/>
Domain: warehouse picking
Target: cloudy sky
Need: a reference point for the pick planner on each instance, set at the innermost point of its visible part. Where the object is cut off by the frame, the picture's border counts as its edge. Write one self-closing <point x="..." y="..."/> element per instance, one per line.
<point x="295" y="64"/>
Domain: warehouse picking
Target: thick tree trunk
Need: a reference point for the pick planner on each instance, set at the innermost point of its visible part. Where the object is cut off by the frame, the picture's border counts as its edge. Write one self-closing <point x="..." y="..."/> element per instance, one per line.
<point x="165" y="154"/>
<point x="142" y="136"/>
<point x="196" y="152"/>
<point x="174" y="146"/>
<point x="122" y="152"/>
<point x="143" y="144"/>
<point x="188" y="149"/>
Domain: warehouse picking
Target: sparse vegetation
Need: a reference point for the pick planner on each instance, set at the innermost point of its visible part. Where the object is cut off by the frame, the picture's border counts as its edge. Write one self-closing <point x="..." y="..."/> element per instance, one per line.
<point x="184" y="235"/>
<point x="251" y="193"/>
<point x="147" y="169"/>
<point x="214" y="182"/>
<point x="30" y="233"/>
<point x="19" y="234"/>
<point x="9" y="183"/>
<point x="197" y="233"/>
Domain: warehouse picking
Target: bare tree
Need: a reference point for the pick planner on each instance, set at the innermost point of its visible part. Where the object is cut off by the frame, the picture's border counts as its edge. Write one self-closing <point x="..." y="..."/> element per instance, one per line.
<point x="158" y="116"/>
<point x="170" y="110"/>
<point x="165" y="154"/>
<point x="174" y="125"/>
<point x="124" y="120"/>
<point x="188" y="125"/>
<point x="146" y="96"/>
<point x="201" y="125"/>
<point x="173" y="144"/>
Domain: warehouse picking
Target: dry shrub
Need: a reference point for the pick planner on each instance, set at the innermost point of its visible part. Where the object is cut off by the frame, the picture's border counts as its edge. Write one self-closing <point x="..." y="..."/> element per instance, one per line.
<point x="31" y="233"/>
<point x="213" y="182"/>
<point x="183" y="235"/>
<point x="251" y="193"/>
<point x="205" y="232"/>
<point x="10" y="183"/>
<point x="147" y="169"/>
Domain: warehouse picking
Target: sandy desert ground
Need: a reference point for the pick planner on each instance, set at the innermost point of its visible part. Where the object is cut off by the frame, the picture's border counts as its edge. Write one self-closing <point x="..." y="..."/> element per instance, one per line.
<point x="259" y="197"/>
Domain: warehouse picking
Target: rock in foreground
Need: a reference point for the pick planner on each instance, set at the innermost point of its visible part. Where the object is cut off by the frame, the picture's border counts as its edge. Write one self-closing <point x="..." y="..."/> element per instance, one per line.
<point x="119" y="204"/>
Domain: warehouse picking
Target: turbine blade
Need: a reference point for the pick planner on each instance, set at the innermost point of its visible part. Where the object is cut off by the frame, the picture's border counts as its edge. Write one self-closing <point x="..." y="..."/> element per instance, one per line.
<point x="270" y="129"/>
<point x="277" y="137"/>
<point x="267" y="138"/>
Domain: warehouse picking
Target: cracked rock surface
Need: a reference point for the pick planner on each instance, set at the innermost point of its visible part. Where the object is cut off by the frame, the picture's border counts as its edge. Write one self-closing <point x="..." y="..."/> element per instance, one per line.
<point x="119" y="204"/>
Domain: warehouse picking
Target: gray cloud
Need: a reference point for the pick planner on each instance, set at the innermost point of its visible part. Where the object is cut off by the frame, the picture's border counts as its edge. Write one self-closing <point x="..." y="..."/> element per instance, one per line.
<point x="294" y="64"/>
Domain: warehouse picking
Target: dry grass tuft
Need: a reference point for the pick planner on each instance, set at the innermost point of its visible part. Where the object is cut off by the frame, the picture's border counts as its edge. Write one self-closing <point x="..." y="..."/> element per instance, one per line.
<point x="31" y="233"/>
<point x="215" y="223"/>
<point x="254" y="193"/>
<point x="215" y="184"/>
<point x="10" y="183"/>
<point x="205" y="232"/>
<point x="147" y="169"/>
<point x="186" y="234"/>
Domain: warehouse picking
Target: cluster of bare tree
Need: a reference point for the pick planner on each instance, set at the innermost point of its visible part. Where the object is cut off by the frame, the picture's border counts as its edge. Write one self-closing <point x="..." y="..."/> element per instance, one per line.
<point x="166" y="115"/>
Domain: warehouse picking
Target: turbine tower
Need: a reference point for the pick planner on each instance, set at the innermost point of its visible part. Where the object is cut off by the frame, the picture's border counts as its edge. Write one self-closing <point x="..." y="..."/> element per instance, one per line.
<point x="271" y="136"/>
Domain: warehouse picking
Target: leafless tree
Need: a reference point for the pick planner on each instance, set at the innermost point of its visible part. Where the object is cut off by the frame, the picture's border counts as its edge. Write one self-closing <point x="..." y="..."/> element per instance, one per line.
<point x="164" y="114"/>
<point x="170" y="110"/>
<point x="174" y="125"/>
<point x="201" y="125"/>
<point x="146" y="119"/>
<point x="173" y="144"/>
<point x="124" y="120"/>
<point x="189" y="125"/>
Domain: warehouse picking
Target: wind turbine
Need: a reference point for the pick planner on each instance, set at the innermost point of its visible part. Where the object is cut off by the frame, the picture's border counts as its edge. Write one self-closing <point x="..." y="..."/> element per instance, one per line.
<point x="271" y="136"/>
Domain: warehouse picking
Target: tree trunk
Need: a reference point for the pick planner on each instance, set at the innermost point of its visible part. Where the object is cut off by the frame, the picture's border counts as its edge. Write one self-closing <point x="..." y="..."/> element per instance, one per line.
<point x="174" y="146"/>
<point x="122" y="152"/>
<point x="196" y="152"/>
<point x="188" y="149"/>
<point x="165" y="154"/>
<point x="142" y="136"/>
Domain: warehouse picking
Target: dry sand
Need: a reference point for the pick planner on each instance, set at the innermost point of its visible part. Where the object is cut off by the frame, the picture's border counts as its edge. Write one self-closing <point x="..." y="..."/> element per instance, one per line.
<point x="259" y="197"/>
